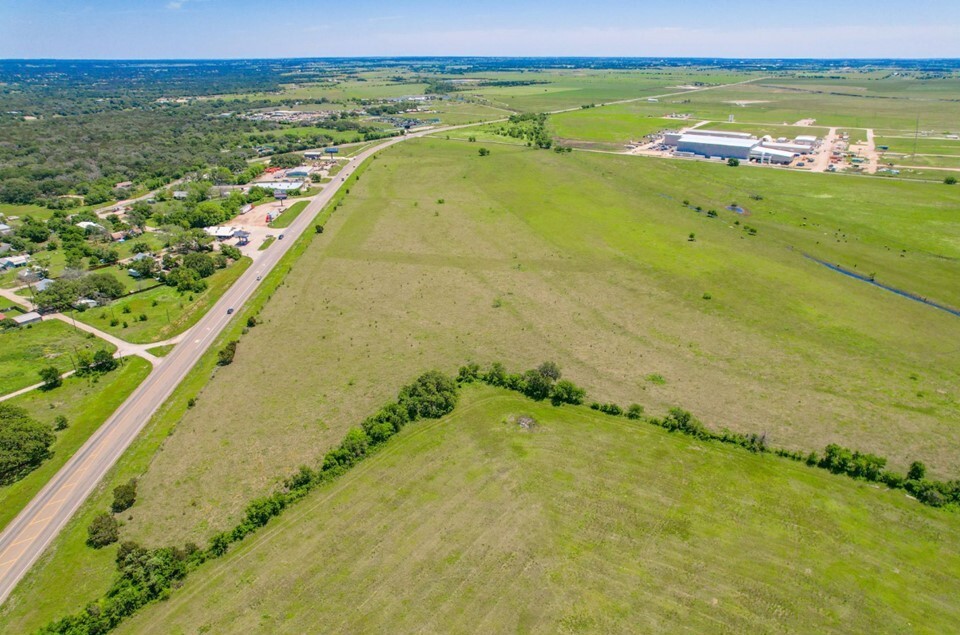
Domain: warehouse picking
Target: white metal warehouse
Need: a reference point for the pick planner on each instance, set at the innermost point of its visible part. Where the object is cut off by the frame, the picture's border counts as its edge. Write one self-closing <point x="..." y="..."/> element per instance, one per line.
<point x="771" y="155"/>
<point x="711" y="146"/>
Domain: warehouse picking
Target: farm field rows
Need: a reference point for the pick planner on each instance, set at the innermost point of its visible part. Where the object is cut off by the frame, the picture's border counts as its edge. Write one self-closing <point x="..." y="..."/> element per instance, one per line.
<point x="584" y="523"/>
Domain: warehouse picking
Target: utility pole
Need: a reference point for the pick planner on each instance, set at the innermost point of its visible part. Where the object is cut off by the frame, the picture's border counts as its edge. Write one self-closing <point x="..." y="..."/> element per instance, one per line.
<point x="916" y="135"/>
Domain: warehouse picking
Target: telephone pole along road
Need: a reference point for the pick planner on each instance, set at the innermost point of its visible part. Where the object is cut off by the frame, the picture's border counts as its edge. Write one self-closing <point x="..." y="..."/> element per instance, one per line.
<point x="25" y="538"/>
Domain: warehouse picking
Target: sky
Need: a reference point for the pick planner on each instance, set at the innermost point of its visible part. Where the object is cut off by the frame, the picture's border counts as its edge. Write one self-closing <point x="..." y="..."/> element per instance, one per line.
<point x="194" y="29"/>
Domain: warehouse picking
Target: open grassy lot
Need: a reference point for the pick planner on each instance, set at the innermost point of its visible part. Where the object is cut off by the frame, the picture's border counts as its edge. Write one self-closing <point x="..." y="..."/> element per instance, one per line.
<point x="456" y="111"/>
<point x="923" y="145"/>
<point x="768" y="101"/>
<point x="585" y="524"/>
<point x="586" y="259"/>
<point x="923" y="160"/>
<point x="289" y="216"/>
<point x="168" y="311"/>
<point x="902" y="86"/>
<point x="26" y="350"/>
<point x="611" y="125"/>
<point x="561" y="89"/>
<point x="86" y="403"/>
<point x="583" y="258"/>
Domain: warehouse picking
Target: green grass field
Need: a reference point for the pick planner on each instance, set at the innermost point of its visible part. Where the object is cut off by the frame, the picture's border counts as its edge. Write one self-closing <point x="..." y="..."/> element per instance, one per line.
<point x="770" y="102"/>
<point x="561" y="89"/>
<point x="168" y="311"/>
<point x="26" y="350"/>
<point x="289" y="216"/>
<point x="585" y="524"/>
<point x="86" y="403"/>
<point x="584" y="258"/>
<point x="923" y="145"/>
<point x="611" y="125"/>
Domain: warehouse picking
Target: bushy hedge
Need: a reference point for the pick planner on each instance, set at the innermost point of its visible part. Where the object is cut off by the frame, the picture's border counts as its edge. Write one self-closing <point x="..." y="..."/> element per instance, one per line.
<point x="836" y="458"/>
<point x="147" y="575"/>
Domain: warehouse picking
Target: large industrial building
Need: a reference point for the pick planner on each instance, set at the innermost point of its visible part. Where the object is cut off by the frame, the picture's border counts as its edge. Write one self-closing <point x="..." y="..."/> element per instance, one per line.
<point x="739" y="145"/>
<point x="714" y="146"/>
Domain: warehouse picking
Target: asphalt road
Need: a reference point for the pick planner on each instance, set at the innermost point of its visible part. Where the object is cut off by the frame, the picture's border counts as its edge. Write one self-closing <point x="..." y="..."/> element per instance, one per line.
<point x="26" y="537"/>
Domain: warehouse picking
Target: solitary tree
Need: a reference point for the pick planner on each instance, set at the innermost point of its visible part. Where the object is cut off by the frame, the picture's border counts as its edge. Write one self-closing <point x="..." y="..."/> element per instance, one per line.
<point x="51" y="377"/>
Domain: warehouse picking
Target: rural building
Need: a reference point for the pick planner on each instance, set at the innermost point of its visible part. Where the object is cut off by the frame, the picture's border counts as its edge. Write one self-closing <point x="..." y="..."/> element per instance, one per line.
<point x="27" y="318"/>
<point x="312" y="154"/>
<point x="283" y="186"/>
<point x="805" y="139"/>
<point x="42" y="285"/>
<point x="14" y="261"/>
<point x="123" y="184"/>
<point x="88" y="225"/>
<point x="5" y="247"/>
<point x="765" y="154"/>
<point x="5" y="229"/>
<point x="180" y="195"/>
<point x="710" y="146"/>
<point x="301" y="172"/>
<point x="85" y="303"/>
<point x="221" y="233"/>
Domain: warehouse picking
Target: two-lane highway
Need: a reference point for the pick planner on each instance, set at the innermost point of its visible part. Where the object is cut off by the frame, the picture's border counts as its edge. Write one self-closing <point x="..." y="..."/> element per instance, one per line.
<point x="25" y="538"/>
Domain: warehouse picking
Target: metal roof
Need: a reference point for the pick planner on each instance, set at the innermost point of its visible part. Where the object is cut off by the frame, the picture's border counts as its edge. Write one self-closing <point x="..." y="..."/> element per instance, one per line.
<point x="772" y="152"/>
<point x="730" y="142"/>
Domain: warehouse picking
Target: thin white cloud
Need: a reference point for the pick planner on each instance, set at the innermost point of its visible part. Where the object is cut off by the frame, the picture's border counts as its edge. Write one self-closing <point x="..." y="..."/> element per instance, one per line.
<point x="176" y="5"/>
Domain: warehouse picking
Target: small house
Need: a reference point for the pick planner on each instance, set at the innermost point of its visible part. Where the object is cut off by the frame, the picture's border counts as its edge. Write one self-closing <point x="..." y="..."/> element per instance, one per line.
<point x="27" y="318"/>
<point x="11" y="262"/>
<point x="85" y="303"/>
<point x="180" y="195"/>
<point x="42" y="285"/>
<point x="5" y="229"/>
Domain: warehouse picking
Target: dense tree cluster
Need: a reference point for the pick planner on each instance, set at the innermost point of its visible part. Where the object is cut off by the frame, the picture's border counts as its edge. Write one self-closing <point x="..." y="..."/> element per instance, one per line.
<point x="24" y="443"/>
<point x="530" y="127"/>
<point x="63" y="293"/>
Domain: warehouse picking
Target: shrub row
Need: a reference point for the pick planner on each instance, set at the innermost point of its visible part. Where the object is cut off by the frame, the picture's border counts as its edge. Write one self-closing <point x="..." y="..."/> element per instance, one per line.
<point x="538" y="383"/>
<point x="145" y="575"/>
<point x="836" y="458"/>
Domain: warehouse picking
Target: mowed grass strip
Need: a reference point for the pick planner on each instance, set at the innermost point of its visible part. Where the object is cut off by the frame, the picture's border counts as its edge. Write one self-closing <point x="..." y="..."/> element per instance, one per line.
<point x="289" y="215"/>
<point x="168" y="312"/>
<point x="582" y="523"/>
<point x="26" y="350"/>
<point x="609" y="124"/>
<point x="86" y="403"/>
